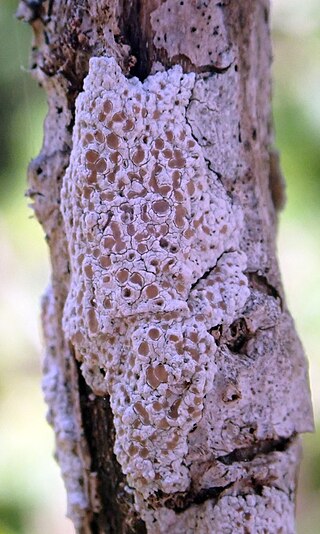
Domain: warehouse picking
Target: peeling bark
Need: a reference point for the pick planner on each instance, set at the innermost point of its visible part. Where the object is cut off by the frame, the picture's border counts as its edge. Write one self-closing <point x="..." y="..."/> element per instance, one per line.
<point x="176" y="384"/>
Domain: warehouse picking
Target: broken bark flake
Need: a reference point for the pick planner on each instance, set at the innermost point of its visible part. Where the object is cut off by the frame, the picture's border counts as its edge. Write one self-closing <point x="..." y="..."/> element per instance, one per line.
<point x="168" y="341"/>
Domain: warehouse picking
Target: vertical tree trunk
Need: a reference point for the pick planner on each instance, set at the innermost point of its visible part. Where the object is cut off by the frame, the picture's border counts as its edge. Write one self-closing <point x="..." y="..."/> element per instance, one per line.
<point x="175" y="381"/>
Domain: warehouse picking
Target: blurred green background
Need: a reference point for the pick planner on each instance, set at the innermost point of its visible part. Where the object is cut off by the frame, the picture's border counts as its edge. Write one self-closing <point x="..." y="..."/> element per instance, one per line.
<point x="32" y="499"/>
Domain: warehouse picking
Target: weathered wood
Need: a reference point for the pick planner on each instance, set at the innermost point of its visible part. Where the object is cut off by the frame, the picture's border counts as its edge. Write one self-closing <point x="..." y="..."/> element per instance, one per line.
<point x="220" y="450"/>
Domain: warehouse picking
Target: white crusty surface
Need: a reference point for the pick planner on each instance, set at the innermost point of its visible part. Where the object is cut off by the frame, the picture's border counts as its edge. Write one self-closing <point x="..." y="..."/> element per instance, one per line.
<point x="155" y="264"/>
<point x="247" y="514"/>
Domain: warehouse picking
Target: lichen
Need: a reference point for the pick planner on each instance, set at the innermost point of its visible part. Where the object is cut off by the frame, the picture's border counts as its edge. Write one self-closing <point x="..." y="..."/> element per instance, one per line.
<point x="155" y="264"/>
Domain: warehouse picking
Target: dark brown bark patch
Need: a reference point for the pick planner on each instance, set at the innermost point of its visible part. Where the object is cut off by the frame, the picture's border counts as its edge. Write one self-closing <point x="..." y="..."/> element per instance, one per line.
<point x="117" y="514"/>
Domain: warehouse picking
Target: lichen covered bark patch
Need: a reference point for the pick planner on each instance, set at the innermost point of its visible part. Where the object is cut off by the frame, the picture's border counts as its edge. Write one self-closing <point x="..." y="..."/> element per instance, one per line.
<point x="155" y="264"/>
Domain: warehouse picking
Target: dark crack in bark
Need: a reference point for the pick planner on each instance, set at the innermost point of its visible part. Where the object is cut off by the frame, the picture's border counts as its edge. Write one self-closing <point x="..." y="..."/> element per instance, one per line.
<point x="260" y="282"/>
<point x="247" y="454"/>
<point x="208" y="271"/>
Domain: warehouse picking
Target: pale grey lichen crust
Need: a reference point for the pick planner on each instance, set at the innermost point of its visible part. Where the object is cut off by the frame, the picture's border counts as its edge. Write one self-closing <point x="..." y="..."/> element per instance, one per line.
<point x="155" y="265"/>
<point x="269" y="513"/>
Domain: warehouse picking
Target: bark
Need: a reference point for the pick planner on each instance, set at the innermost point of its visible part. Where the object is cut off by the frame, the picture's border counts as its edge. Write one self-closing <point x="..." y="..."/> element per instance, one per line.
<point x="176" y="384"/>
